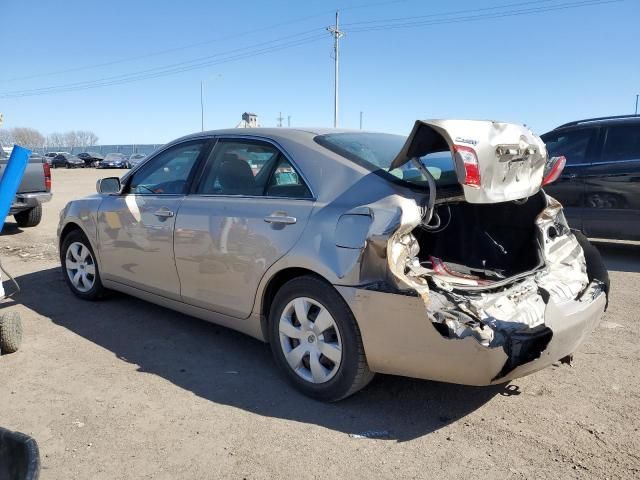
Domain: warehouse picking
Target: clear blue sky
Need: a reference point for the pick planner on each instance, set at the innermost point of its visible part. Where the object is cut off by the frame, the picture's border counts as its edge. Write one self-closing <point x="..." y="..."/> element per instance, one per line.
<point x="541" y="69"/>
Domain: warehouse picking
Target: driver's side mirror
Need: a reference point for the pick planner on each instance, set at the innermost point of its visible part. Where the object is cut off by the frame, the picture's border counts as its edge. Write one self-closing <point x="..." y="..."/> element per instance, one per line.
<point x="108" y="185"/>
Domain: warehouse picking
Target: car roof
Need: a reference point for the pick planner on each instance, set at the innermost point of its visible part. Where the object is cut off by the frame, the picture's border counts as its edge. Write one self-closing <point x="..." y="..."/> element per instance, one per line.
<point x="616" y="119"/>
<point x="295" y="134"/>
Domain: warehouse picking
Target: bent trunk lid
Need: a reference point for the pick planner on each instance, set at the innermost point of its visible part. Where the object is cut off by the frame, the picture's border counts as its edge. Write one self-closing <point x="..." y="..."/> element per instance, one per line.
<point x="510" y="158"/>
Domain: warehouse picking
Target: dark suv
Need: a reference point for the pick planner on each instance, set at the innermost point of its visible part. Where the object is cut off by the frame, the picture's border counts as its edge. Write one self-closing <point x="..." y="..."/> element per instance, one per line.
<point x="600" y="184"/>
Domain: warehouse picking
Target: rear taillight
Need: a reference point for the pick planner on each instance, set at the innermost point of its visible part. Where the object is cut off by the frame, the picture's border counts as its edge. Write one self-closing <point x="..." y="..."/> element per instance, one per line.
<point x="469" y="159"/>
<point x="557" y="165"/>
<point x="47" y="176"/>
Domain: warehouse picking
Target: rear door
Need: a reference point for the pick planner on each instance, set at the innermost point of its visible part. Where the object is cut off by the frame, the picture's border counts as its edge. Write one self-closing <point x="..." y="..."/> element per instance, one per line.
<point x="248" y="210"/>
<point x="612" y="197"/>
<point x="578" y="146"/>
<point x="135" y="228"/>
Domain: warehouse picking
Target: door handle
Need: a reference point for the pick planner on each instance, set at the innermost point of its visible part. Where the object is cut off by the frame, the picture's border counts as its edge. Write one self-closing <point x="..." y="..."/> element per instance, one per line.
<point x="572" y="176"/>
<point x="163" y="213"/>
<point x="279" y="218"/>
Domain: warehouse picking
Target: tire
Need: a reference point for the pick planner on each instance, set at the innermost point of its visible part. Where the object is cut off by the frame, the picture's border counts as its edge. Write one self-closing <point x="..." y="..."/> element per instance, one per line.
<point x="596" y="269"/>
<point x="88" y="285"/>
<point x="327" y="380"/>
<point x="29" y="218"/>
<point x="10" y="332"/>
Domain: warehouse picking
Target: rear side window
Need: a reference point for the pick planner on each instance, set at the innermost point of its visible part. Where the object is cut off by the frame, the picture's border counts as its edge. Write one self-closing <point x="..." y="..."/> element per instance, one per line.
<point x="286" y="182"/>
<point x="376" y="151"/>
<point x="250" y="168"/>
<point x="238" y="168"/>
<point x="573" y="145"/>
<point x="621" y="143"/>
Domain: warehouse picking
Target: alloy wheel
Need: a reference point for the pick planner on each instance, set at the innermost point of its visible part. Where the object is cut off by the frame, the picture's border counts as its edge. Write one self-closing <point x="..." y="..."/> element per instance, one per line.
<point x="310" y="340"/>
<point x="80" y="266"/>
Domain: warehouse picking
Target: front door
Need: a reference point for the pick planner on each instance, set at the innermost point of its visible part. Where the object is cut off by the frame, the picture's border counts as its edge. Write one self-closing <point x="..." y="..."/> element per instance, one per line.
<point x="135" y="228"/>
<point x="248" y="210"/>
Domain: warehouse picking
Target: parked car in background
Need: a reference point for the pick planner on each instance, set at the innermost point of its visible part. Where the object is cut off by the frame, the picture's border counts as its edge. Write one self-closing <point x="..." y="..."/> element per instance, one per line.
<point x="49" y="156"/>
<point x="600" y="184"/>
<point x="136" y="159"/>
<point x="34" y="190"/>
<point x="91" y="159"/>
<point x="66" y="160"/>
<point x="435" y="256"/>
<point x="114" y="160"/>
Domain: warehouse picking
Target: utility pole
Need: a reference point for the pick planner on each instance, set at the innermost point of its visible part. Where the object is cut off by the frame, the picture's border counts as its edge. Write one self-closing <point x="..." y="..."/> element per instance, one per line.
<point x="280" y="118"/>
<point x="289" y="121"/>
<point x="360" y="120"/>
<point x="337" y="35"/>
<point x="201" y="107"/>
<point x="637" y="103"/>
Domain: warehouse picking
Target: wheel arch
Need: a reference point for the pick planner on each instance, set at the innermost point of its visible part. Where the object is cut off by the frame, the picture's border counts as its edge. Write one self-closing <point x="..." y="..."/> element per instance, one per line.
<point x="273" y="285"/>
<point x="72" y="226"/>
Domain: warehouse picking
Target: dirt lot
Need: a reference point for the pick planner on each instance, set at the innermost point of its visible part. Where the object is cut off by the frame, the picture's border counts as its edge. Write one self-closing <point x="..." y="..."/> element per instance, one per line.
<point x="126" y="389"/>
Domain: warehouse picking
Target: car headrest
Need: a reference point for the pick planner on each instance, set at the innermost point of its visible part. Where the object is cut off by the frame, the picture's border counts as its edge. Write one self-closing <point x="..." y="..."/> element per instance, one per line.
<point x="236" y="174"/>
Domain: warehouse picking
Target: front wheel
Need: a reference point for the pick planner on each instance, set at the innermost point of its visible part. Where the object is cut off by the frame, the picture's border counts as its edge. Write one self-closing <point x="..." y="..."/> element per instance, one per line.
<point x="316" y="341"/>
<point x="80" y="267"/>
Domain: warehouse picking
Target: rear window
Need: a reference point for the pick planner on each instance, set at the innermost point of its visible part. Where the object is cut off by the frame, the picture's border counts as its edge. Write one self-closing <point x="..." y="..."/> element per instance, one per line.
<point x="376" y="151"/>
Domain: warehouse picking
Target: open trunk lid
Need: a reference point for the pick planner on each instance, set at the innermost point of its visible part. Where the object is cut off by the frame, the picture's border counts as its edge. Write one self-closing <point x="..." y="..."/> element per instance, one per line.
<point x="494" y="161"/>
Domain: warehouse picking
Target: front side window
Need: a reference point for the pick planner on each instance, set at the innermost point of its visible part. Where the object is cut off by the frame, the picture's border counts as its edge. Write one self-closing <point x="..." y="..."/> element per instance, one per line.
<point x="376" y="151"/>
<point x="622" y="143"/>
<point x="573" y="145"/>
<point x="167" y="173"/>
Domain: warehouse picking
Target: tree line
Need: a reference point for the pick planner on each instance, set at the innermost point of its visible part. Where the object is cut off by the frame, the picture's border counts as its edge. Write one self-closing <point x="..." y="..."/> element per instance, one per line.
<point x="32" y="138"/>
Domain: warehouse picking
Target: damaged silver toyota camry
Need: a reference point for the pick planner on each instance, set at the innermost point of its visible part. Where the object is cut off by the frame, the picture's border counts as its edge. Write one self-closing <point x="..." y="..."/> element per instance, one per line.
<point x="436" y="256"/>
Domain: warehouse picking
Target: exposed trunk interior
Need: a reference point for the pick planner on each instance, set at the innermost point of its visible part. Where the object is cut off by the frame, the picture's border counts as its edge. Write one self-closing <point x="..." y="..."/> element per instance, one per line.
<point x="484" y="241"/>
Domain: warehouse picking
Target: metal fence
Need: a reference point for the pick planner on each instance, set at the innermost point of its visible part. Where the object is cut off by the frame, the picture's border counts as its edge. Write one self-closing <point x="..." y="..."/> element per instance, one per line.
<point x="104" y="149"/>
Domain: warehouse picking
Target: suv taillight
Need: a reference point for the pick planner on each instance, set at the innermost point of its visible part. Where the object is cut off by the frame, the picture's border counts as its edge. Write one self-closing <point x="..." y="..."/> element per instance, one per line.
<point x="47" y="176"/>
<point x="469" y="159"/>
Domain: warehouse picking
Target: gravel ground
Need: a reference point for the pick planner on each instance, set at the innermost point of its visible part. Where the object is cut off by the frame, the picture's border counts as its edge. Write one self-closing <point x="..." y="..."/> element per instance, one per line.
<point x="125" y="389"/>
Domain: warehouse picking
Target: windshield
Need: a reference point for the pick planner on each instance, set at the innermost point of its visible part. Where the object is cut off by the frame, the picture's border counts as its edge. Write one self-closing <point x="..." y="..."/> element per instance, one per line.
<point x="113" y="156"/>
<point x="376" y="151"/>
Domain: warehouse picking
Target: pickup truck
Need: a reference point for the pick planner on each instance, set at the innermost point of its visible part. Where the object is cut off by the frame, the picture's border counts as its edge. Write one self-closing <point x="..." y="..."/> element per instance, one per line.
<point x="34" y="190"/>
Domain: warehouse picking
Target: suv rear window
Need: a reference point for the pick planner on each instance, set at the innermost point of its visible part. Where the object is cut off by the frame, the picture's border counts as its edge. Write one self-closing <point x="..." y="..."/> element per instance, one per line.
<point x="376" y="151"/>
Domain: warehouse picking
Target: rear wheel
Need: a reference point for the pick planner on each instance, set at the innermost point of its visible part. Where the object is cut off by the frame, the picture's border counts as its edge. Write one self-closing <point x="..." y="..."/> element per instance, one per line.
<point x="316" y="341"/>
<point x="80" y="267"/>
<point x="29" y="218"/>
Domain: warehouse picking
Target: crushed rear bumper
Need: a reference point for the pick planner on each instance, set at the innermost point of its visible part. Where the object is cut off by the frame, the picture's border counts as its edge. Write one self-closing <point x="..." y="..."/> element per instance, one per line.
<point x="399" y="339"/>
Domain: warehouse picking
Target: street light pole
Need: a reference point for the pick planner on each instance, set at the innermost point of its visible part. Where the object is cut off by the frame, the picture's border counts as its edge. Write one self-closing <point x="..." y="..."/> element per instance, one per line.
<point x="201" y="106"/>
<point x="337" y="35"/>
<point x="637" y="103"/>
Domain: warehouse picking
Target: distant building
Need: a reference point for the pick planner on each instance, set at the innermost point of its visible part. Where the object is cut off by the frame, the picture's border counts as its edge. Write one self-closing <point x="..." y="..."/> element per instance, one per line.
<point x="249" y="120"/>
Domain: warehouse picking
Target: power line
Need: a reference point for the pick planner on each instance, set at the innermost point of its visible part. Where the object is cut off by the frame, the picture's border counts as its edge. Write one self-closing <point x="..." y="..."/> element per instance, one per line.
<point x="453" y="12"/>
<point x="280" y="44"/>
<point x="49" y="74"/>
<point x="163" y="71"/>
<point x="486" y="16"/>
